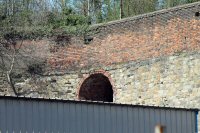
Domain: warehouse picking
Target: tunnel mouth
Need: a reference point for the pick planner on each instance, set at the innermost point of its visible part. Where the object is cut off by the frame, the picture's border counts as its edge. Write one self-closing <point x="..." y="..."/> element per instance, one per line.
<point x="197" y="14"/>
<point x="96" y="87"/>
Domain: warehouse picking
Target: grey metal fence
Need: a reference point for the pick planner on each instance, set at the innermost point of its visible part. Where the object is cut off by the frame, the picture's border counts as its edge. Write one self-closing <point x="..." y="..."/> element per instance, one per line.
<point x="24" y="115"/>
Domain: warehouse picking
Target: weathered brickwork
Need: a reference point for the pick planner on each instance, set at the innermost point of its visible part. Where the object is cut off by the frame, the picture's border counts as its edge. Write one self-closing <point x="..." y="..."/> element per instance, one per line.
<point x="144" y="23"/>
<point x="152" y="59"/>
<point x="138" y="38"/>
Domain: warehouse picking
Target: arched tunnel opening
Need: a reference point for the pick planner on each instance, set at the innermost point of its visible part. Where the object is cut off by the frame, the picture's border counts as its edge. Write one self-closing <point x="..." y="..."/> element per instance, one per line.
<point x="96" y="87"/>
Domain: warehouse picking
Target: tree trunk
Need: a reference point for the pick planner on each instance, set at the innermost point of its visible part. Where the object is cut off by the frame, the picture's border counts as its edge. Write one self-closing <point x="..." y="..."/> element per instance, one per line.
<point x="128" y="10"/>
<point x="10" y="81"/>
<point x="88" y="4"/>
<point x="121" y="9"/>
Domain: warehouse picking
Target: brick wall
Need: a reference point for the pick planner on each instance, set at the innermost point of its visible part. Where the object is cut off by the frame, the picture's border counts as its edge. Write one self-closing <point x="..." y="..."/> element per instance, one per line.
<point x="161" y="33"/>
<point x="147" y="21"/>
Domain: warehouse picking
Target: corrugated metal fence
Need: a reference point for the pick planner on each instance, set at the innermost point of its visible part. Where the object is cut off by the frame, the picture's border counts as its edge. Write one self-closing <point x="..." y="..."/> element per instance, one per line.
<point x="22" y="115"/>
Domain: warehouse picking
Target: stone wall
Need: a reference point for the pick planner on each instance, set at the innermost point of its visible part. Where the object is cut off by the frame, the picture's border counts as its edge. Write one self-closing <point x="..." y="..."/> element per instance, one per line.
<point x="4" y="87"/>
<point x="165" y="81"/>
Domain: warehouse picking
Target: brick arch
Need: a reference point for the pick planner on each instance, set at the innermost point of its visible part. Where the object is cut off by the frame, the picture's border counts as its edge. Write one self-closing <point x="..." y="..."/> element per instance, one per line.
<point x="102" y="79"/>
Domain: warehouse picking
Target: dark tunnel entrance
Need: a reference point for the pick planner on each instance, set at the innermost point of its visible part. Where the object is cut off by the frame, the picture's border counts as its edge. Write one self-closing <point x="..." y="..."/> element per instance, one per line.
<point x="97" y="87"/>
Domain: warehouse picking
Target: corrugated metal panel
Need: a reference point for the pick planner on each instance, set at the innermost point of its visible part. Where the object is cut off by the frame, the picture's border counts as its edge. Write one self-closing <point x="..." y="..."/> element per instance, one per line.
<point x="43" y="116"/>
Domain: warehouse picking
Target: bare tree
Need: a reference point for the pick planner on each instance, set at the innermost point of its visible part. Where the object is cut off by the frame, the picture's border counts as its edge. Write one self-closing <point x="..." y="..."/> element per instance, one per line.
<point x="18" y="57"/>
<point x="8" y="57"/>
